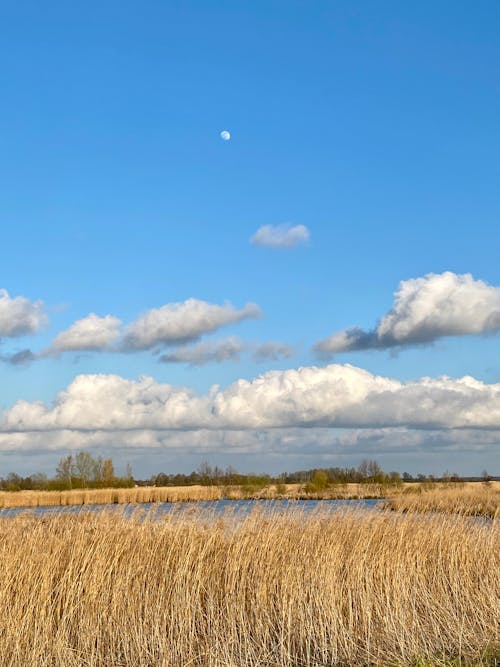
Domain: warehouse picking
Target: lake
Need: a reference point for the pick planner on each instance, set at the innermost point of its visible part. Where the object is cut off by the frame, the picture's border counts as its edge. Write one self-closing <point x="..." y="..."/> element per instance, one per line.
<point x="218" y="507"/>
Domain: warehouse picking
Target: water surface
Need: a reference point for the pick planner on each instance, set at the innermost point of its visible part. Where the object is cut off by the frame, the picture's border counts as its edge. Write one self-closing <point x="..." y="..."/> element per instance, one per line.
<point x="217" y="507"/>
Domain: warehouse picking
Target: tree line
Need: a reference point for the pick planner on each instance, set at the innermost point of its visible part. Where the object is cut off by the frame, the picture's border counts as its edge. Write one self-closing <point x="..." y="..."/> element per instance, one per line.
<point x="81" y="471"/>
<point x="367" y="472"/>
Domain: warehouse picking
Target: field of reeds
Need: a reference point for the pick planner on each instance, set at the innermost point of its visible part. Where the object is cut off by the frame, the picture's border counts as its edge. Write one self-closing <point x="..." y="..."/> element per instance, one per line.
<point x="146" y="494"/>
<point x="162" y="494"/>
<point x="285" y="589"/>
<point x="477" y="499"/>
<point x="474" y="498"/>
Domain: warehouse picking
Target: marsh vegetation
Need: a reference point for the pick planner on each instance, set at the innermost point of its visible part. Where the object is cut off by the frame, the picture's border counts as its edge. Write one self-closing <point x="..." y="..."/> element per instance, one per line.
<point x="278" y="589"/>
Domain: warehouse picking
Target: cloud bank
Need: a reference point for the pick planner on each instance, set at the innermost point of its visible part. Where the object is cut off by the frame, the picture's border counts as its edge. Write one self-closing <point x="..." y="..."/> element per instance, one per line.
<point x="337" y="396"/>
<point x="280" y="236"/>
<point x="19" y="316"/>
<point x="323" y="444"/>
<point x="424" y="310"/>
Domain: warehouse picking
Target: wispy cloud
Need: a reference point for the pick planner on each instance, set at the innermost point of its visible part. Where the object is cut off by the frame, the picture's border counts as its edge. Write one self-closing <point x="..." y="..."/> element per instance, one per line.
<point x="280" y="236"/>
<point x="273" y="351"/>
<point x="21" y="358"/>
<point x="424" y="310"/>
<point x="218" y="351"/>
<point x="229" y="349"/>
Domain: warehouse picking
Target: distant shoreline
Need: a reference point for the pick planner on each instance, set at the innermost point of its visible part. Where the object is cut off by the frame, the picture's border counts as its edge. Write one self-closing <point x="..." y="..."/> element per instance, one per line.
<point x="464" y="497"/>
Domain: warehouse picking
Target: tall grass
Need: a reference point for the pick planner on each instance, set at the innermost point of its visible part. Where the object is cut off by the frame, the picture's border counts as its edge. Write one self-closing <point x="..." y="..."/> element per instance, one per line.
<point x="152" y="494"/>
<point x="265" y="590"/>
<point x="471" y="499"/>
<point x="147" y="494"/>
<point x="467" y="498"/>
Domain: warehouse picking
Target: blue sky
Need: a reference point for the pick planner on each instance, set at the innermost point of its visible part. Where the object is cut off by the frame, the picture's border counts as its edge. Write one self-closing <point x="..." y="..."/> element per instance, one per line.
<point x="373" y="125"/>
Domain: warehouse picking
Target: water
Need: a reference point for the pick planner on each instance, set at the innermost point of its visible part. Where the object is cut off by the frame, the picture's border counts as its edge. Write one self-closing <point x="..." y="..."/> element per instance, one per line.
<point x="218" y="507"/>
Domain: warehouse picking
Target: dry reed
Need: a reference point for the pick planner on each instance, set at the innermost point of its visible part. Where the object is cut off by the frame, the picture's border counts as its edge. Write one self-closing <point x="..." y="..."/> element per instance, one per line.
<point x="264" y="590"/>
<point x="471" y="499"/>
<point x="152" y="494"/>
<point x="142" y="494"/>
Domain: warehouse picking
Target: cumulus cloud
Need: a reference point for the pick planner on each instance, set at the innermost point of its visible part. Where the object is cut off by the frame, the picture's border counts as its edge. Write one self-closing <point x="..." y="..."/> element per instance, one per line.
<point x="110" y="402"/>
<point x="337" y="396"/>
<point x="203" y="353"/>
<point x="424" y="310"/>
<point x="89" y="333"/>
<point x="182" y="322"/>
<point x="19" y="316"/>
<point x="280" y="236"/>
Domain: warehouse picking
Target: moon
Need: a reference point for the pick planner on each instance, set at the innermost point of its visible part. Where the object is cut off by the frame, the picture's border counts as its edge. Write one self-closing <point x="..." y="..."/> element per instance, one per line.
<point x="225" y="135"/>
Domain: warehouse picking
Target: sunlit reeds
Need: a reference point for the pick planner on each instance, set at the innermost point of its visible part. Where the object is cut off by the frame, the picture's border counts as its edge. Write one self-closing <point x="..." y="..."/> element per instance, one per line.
<point x="153" y="494"/>
<point x="144" y="494"/>
<point x="469" y="499"/>
<point x="265" y="590"/>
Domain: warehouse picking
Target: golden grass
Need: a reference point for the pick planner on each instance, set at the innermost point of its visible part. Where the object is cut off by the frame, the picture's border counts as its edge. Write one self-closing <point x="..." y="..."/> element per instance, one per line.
<point x="469" y="499"/>
<point x="266" y="590"/>
<point x="152" y="494"/>
<point x="145" y="494"/>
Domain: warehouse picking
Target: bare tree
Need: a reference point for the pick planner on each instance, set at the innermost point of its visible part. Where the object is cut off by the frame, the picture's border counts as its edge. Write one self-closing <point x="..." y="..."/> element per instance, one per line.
<point x="84" y="467"/>
<point x="65" y="469"/>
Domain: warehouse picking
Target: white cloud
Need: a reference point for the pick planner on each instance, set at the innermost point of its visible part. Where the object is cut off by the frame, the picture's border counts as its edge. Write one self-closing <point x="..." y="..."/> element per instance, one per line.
<point x="89" y="333"/>
<point x="337" y="396"/>
<point x="280" y="236"/>
<point x="424" y="310"/>
<point x="19" y="316"/>
<point x="182" y="323"/>
<point x="110" y="402"/>
<point x="218" y="351"/>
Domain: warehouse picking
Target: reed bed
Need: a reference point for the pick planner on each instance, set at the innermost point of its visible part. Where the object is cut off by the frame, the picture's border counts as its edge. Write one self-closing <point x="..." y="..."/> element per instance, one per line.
<point x="153" y="494"/>
<point x="471" y="499"/>
<point x="285" y="589"/>
<point x="146" y="494"/>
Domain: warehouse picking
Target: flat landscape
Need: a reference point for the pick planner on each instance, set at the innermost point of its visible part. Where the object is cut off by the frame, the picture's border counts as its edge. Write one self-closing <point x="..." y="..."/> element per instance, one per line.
<point x="473" y="498"/>
<point x="249" y="333"/>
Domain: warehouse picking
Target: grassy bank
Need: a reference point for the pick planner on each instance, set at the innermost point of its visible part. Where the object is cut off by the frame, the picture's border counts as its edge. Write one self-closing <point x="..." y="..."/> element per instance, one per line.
<point x="283" y="590"/>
